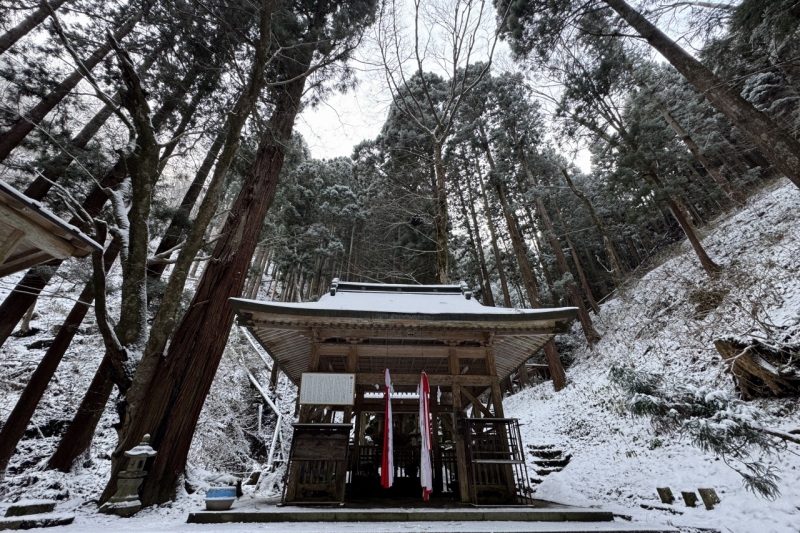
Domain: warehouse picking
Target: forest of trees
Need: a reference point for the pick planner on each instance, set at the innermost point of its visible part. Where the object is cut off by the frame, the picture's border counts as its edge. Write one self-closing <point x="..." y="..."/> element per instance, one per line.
<point x="165" y="130"/>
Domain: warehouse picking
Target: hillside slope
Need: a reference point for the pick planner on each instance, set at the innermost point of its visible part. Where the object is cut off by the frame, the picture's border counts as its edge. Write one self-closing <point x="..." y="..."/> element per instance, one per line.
<point x="659" y="326"/>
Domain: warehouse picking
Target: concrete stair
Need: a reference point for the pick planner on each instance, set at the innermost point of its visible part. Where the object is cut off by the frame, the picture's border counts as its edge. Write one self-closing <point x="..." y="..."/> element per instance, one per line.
<point x="30" y="514"/>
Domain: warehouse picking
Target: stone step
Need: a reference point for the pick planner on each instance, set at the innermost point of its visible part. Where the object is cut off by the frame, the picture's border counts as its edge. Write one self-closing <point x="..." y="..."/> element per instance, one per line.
<point x="547" y="471"/>
<point x="553" y="463"/>
<point x="35" y="521"/>
<point x="30" y="507"/>
<point x="473" y="527"/>
<point x="547" y="454"/>
<point x="464" y="514"/>
<point x="541" y="447"/>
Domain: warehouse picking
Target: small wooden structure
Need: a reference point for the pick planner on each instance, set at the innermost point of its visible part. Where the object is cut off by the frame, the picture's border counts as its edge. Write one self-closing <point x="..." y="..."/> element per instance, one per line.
<point x="31" y="235"/>
<point x="361" y="329"/>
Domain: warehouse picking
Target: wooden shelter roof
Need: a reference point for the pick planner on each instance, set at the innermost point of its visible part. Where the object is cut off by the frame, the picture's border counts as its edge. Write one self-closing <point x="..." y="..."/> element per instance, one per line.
<point x="30" y="234"/>
<point x="407" y="328"/>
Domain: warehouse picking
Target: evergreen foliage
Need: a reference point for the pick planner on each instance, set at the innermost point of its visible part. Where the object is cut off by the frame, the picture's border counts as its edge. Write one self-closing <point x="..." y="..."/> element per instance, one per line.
<point x="714" y="421"/>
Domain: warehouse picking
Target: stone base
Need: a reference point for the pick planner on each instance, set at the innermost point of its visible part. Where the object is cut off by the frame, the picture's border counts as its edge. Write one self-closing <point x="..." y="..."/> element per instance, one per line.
<point x="121" y="508"/>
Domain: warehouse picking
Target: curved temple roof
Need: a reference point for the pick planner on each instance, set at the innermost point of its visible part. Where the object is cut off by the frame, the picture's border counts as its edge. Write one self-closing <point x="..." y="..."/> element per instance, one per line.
<point x="393" y="320"/>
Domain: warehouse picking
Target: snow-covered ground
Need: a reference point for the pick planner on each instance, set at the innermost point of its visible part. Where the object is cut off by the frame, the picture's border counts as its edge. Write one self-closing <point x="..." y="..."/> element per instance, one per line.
<point x="617" y="460"/>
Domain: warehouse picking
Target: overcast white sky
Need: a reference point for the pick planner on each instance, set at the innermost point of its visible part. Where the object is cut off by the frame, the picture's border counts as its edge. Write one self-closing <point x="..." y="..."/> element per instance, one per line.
<point x="335" y="126"/>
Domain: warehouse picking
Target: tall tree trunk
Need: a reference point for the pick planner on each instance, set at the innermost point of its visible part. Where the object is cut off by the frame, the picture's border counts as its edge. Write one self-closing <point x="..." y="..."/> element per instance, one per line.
<point x="18" y="420"/>
<point x="78" y="437"/>
<point x="557" y="372"/>
<point x="694" y="148"/>
<point x="440" y="219"/>
<point x="34" y="116"/>
<point x="498" y="259"/>
<point x="19" y="31"/>
<point x="166" y="314"/>
<point x="611" y="252"/>
<point x="777" y="144"/>
<point x="578" y="267"/>
<point x="589" y="332"/>
<point x="177" y="226"/>
<point x="489" y="296"/>
<point x="710" y="267"/>
<point x="533" y="235"/>
<point x="178" y="390"/>
<point x="473" y="234"/>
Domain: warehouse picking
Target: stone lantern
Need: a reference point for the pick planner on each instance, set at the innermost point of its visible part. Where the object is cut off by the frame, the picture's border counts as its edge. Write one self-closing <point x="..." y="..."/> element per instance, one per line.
<point x="125" y="501"/>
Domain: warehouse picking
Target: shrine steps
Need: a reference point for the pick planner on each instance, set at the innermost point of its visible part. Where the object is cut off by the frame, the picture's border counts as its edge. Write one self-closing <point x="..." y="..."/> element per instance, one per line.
<point x="466" y="520"/>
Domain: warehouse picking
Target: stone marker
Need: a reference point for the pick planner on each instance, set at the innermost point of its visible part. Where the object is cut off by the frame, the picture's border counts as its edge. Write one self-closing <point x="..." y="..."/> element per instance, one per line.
<point x="665" y="493"/>
<point x="690" y="498"/>
<point x="125" y="502"/>
<point x="709" y="497"/>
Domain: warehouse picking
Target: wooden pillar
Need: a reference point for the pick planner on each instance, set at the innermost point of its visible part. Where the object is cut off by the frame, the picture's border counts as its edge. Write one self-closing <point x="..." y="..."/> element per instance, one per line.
<point x="352" y="367"/>
<point x="438" y="482"/>
<point x="497" y="400"/>
<point x="461" y="450"/>
<point x="491" y="367"/>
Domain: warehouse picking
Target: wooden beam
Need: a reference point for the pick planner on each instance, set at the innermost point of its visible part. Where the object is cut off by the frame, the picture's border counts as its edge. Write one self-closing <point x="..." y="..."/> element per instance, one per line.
<point x="21" y="262"/>
<point x="340" y="328"/>
<point x="477" y="404"/>
<point x="435" y="380"/>
<point x="10" y="243"/>
<point x="36" y="234"/>
<point x="400" y="350"/>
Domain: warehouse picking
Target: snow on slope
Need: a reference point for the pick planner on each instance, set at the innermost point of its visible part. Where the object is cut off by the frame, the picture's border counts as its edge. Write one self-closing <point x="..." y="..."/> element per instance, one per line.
<point x="618" y="461"/>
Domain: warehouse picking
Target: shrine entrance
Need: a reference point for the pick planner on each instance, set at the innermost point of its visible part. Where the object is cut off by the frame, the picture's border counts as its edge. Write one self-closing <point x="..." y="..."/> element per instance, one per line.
<point x="337" y="350"/>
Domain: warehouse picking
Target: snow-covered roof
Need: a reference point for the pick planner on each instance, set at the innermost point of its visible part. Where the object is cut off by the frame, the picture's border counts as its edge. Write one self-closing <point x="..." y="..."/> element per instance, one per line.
<point x="399" y="325"/>
<point x="30" y="234"/>
<point x="386" y="301"/>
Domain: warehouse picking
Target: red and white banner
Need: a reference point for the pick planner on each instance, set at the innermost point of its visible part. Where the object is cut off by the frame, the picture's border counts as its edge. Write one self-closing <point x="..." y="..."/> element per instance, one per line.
<point x="425" y="471"/>
<point x="387" y="462"/>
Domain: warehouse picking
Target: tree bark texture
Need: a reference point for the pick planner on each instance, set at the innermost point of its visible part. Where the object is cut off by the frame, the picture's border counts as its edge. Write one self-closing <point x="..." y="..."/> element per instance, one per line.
<point x="9" y="38"/>
<point x="178" y="390"/>
<point x="777" y="144"/>
<point x="34" y="116"/>
<point x="165" y="316"/>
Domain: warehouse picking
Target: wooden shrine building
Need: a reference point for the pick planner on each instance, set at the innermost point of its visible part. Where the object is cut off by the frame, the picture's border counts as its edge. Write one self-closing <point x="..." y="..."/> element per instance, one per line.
<point x="31" y="235"/>
<point x="336" y="351"/>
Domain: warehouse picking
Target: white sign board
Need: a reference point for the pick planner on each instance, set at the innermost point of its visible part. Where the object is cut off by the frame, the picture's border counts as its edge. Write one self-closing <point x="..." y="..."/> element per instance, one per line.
<point x="327" y="389"/>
